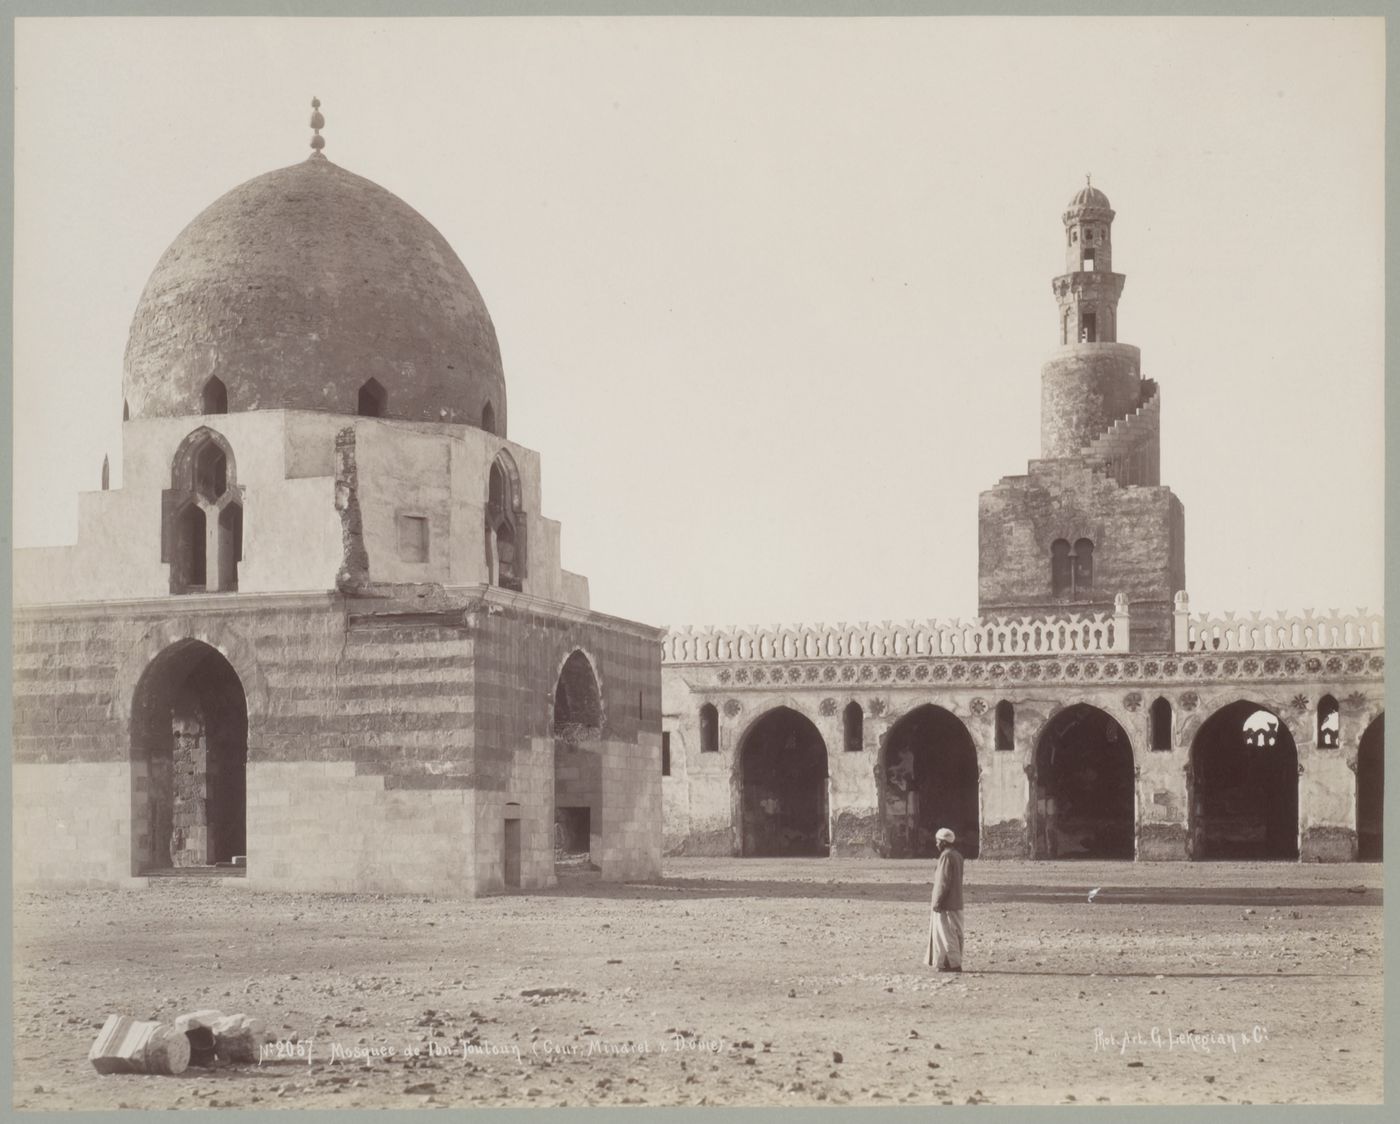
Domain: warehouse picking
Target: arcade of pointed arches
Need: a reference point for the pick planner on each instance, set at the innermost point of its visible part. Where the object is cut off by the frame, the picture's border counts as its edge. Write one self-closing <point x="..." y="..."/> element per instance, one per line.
<point x="1242" y="780"/>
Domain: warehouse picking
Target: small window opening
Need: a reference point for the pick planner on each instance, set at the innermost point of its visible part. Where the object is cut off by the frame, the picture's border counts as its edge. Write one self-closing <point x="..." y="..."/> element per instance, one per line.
<point x="665" y="754"/>
<point x="709" y="729"/>
<point x="126" y="411"/>
<point x="1088" y="260"/>
<point x="1005" y="727"/>
<point x="1083" y="567"/>
<point x="191" y="544"/>
<point x="504" y="529"/>
<point x="1160" y="725"/>
<point x="1061" y="578"/>
<point x="215" y="396"/>
<point x="854" y="728"/>
<point x="488" y="418"/>
<point x="230" y="545"/>
<point x="1329" y="724"/>
<point x="1088" y="331"/>
<point x="373" y="400"/>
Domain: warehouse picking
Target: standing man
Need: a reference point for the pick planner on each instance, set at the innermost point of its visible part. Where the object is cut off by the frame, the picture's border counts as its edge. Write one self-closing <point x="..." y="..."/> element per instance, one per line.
<point x="945" y="927"/>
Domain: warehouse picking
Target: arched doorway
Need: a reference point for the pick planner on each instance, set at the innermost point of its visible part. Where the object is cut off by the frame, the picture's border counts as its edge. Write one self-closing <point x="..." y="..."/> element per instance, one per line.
<point x="1085" y="796"/>
<point x="1244" y="786"/>
<point x="928" y="780"/>
<point x="578" y="766"/>
<point x="1370" y="791"/>
<point x="783" y="787"/>
<point x="189" y="748"/>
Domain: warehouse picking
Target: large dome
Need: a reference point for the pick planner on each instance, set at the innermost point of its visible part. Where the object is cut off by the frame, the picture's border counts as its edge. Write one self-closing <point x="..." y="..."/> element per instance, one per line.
<point x="298" y="288"/>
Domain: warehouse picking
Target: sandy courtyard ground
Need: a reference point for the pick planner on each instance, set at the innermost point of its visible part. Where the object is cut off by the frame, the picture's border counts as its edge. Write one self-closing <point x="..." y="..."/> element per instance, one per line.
<point x="730" y="982"/>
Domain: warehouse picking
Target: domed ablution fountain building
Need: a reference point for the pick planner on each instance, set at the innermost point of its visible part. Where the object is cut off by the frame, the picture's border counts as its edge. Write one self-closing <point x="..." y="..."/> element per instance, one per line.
<point x="1087" y="712"/>
<point x="321" y="635"/>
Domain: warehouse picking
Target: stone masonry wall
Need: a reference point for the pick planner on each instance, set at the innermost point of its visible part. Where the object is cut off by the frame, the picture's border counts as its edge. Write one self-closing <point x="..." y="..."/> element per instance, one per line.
<point x="522" y="645"/>
<point x="1084" y="389"/>
<point x="388" y="738"/>
<point x="1139" y="549"/>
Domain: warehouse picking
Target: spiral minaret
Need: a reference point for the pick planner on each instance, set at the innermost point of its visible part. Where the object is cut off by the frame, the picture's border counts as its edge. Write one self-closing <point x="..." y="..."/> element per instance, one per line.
<point x="1090" y="519"/>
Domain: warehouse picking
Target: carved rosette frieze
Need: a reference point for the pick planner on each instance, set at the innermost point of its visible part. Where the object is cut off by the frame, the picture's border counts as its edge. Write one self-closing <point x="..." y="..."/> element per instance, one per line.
<point x="1086" y="670"/>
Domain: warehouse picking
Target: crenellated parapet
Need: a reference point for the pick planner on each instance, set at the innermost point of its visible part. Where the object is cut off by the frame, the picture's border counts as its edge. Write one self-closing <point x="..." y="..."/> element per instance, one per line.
<point x="1046" y="635"/>
<point x="1306" y="631"/>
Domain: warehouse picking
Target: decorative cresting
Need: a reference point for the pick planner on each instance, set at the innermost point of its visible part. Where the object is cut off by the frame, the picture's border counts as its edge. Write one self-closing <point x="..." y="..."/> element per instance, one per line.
<point x="1092" y="632"/>
<point x="1281" y="632"/>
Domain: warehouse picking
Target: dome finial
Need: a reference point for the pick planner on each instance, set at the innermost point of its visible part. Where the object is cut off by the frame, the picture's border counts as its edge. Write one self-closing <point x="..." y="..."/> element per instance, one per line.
<point x="1088" y="180"/>
<point x="318" y="123"/>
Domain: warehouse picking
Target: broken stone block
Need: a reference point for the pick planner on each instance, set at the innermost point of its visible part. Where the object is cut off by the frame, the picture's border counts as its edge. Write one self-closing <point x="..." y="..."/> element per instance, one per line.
<point x="237" y="1037"/>
<point x="125" y="1045"/>
<point x="198" y="1027"/>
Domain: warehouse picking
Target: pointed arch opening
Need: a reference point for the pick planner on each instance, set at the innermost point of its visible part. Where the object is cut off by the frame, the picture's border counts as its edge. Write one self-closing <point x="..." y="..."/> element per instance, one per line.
<point x="1329" y="723"/>
<point x="372" y="400"/>
<point x="215" y="396"/>
<point x="783" y="787"/>
<point x="230" y="545"/>
<point x="1061" y="576"/>
<point x="709" y="728"/>
<point x="577" y="723"/>
<point x="189" y="735"/>
<point x="1085" y="792"/>
<point x="488" y="418"/>
<point x="928" y="779"/>
<point x="1243" y="777"/>
<point x="1159" y="723"/>
<point x="1370" y="792"/>
<point x="1005" y="735"/>
<point x="506" y="546"/>
<point x="853" y="728"/>
<point x="202" y="523"/>
<point x="1083" y="567"/>
<point x="190" y="568"/>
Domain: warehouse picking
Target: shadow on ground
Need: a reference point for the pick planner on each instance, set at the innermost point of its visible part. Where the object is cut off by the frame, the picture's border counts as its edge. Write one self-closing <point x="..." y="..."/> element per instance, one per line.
<point x="578" y="886"/>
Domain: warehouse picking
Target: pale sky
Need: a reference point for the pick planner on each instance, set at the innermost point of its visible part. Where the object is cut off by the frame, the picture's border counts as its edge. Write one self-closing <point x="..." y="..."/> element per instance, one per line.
<point x="773" y="294"/>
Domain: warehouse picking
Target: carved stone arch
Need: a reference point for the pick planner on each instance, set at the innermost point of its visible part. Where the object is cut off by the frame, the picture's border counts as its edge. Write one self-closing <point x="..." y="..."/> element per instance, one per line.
<point x="506" y="530"/>
<point x="775" y="702"/>
<point x="927" y="771"/>
<point x="1083" y="799"/>
<point x="506" y="463"/>
<point x="577" y="656"/>
<point x="224" y="638"/>
<point x="182" y="464"/>
<point x="1114" y="710"/>
<point x="1243" y="798"/>
<point x="779" y="783"/>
